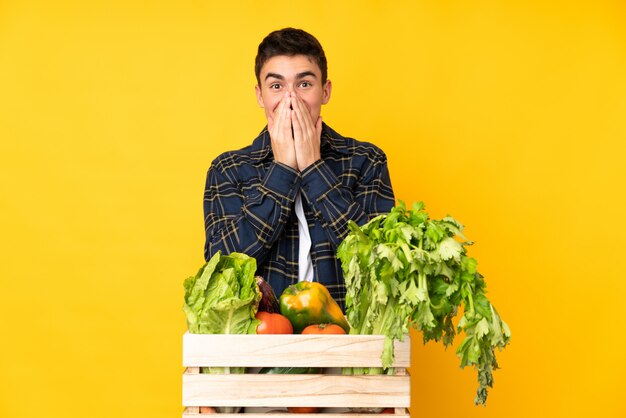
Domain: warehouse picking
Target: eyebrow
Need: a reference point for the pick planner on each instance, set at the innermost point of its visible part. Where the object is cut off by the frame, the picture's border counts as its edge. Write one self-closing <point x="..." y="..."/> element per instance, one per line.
<point x="298" y="76"/>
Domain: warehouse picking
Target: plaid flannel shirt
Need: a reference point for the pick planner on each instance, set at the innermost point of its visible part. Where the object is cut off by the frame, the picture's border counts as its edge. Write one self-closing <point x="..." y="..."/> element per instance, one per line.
<point x="249" y="200"/>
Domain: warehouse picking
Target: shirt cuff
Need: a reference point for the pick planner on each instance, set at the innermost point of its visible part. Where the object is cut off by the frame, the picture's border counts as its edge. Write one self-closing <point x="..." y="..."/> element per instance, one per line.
<point x="282" y="180"/>
<point x="317" y="180"/>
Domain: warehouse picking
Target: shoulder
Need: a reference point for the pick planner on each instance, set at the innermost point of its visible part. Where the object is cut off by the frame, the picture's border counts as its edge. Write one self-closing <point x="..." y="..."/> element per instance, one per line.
<point x="249" y="155"/>
<point x="354" y="147"/>
<point x="231" y="159"/>
<point x="367" y="148"/>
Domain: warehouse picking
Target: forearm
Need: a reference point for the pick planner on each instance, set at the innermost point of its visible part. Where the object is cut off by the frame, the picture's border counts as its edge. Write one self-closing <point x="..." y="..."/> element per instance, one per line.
<point x="335" y="205"/>
<point x="252" y="223"/>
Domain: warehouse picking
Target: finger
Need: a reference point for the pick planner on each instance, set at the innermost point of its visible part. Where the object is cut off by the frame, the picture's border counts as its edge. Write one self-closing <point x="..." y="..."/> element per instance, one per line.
<point x="280" y="114"/>
<point x="297" y="126"/>
<point x="286" y="124"/>
<point x="318" y="127"/>
<point x="304" y="110"/>
<point x="304" y="127"/>
<point x="288" y="132"/>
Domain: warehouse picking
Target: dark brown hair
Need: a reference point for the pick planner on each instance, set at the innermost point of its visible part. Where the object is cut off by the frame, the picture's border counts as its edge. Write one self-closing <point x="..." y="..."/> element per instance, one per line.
<point x="290" y="42"/>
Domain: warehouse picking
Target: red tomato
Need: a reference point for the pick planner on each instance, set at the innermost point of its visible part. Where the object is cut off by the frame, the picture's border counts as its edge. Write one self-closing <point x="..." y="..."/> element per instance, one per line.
<point x="323" y="329"/>
<point x="388" y="411"/>
<point x="273" y="323"/>
<point x="303" y="409"/>
<point x="207" y="410"/>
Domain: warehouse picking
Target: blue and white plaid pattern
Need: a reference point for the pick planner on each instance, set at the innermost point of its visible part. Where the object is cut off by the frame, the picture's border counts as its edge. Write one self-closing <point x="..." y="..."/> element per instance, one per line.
<point x="249" y="200"/>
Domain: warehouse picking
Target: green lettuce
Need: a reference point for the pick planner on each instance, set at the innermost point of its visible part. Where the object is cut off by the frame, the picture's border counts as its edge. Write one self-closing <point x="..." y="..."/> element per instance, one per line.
<point x="222" y="298"/>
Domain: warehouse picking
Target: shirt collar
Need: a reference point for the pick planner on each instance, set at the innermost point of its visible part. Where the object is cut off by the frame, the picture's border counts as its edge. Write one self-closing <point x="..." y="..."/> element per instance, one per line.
<point x="262" y="147"/>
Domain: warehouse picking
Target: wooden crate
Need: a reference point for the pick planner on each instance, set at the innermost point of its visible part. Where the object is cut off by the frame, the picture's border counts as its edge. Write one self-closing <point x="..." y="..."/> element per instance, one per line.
<point x="279" y="391"/>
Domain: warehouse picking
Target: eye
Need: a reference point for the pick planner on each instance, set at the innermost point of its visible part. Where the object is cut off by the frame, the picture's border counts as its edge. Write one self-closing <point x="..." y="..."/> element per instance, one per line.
<point x="305" y="84"/>
<point x="274" y="86"/>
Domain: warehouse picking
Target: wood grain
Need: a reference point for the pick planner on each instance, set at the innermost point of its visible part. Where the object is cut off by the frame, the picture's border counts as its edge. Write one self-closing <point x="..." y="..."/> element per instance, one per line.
<point x="275" y="390"/>
<point x="289" y="350"/>
<point x="283" y="390"/>
<point x="288" y="415"/>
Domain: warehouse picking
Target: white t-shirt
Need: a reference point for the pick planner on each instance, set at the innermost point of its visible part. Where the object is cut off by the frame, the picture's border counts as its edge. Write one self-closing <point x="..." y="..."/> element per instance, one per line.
<point x="305" y="265"/>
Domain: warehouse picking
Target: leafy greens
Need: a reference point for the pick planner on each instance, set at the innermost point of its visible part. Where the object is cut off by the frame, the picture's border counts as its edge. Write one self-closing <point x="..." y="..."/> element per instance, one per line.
<point x="222" y="298"/>
<point x="404" y="270"/>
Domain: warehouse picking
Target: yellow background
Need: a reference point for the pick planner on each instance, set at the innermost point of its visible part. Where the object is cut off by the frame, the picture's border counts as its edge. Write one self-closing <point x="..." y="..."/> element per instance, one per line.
<point x="510" y="116"/>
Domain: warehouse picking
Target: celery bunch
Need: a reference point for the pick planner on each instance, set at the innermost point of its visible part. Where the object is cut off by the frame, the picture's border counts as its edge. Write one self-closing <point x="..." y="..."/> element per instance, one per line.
<point x="406" y="270"/>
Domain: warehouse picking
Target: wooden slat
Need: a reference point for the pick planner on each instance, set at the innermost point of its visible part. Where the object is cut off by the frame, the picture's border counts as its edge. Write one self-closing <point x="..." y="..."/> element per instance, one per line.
<point x="191" y="411"/>
<point x="400" y="371"/>
<point x="273" y="390"/>
<point x="219" y="350"/>
<point x="287" y="415"/>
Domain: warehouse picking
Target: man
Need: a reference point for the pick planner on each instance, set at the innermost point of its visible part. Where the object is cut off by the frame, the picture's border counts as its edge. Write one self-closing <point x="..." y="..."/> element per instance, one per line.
<point x="286" y="199"/>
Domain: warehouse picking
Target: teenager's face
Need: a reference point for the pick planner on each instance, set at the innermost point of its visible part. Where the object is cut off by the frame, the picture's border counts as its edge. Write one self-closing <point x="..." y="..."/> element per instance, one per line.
<point x="299" y="74"/>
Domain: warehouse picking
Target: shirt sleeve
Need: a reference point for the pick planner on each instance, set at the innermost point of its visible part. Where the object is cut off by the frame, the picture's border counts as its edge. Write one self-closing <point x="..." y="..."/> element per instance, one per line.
<point x="248" y="224"/>
<point x="335" y="205"/>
